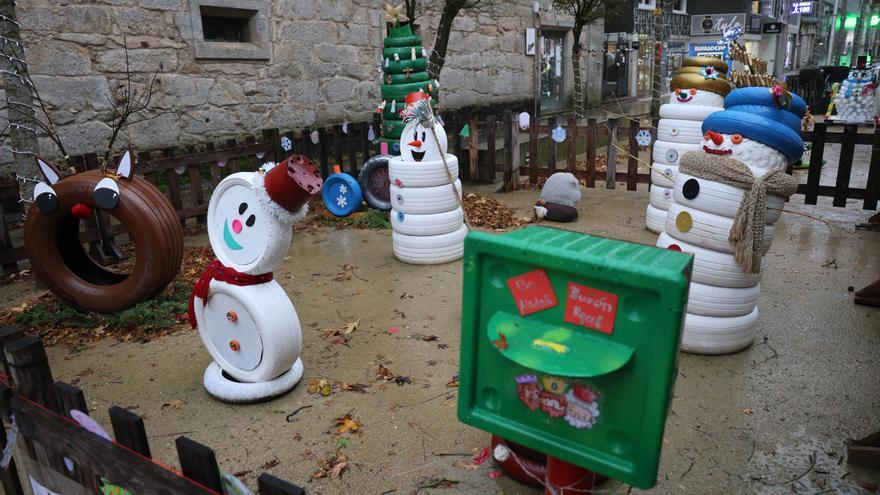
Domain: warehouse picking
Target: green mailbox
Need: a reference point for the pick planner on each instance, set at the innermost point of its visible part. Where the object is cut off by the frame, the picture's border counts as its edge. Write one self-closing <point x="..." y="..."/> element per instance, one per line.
<point x="569" y="345"/>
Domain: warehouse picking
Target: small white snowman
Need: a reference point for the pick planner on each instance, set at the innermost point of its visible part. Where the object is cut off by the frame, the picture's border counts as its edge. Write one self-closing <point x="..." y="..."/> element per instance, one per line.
<point x="245" y="318"/>
<point x="854" y="100"/>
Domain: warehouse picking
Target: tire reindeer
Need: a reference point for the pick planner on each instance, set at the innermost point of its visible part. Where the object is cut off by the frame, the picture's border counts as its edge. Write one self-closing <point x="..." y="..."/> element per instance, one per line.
<point x="57" y="256"/>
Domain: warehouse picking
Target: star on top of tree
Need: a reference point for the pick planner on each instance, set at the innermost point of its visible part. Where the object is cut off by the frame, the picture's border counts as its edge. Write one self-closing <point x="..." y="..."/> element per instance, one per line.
<point x="394" y="13"/>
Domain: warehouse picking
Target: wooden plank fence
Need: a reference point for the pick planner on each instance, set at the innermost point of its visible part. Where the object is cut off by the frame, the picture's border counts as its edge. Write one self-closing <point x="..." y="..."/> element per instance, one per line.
<point x="66" y="458"/>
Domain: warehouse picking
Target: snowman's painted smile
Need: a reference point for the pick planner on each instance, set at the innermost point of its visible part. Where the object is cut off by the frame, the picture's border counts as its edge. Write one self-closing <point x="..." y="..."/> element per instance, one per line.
<point x="228" y="239"/>
<point x="418" y="155"/>
<point x="717" y="151"/>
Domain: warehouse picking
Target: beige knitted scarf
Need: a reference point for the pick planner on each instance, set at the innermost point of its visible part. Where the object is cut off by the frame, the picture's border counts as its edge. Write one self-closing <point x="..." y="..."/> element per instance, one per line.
<point x="748" y="224"/>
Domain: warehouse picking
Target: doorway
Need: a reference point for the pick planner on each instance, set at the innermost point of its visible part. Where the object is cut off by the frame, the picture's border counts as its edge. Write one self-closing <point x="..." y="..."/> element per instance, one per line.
<point x="553" y="71"/>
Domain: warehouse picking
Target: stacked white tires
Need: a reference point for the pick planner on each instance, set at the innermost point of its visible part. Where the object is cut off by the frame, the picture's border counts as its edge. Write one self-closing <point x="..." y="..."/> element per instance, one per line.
<point x="695" y="96"/>
<point x="428" y="225"/>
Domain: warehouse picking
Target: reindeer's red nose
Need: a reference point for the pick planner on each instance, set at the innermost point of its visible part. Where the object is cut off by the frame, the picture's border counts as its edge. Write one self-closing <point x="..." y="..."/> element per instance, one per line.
<point x="715" y="137"/>
<point x="415" y="144"/>
<point x="80" y="210"/>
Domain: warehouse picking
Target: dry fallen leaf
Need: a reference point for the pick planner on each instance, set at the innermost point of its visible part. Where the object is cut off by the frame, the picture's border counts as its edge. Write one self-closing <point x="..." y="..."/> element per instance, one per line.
<point x="747" y="410"/>
<point x="350" y="327"/>
<point x="333" y="466"/>
<point x="321" y="386"/>
<point x="345" y="424"/>
<point x="174" y="404"/>
<point x="465" y="465"/>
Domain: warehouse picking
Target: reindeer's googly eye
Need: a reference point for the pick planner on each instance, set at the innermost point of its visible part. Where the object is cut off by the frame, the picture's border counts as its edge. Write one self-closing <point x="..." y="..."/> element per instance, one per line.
<point x="106" y="194"/>
<point x="45" y="198"/>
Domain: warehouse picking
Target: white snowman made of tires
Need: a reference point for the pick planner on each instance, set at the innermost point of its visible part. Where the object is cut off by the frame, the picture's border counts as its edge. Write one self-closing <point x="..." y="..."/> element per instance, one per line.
<point x="246" y="320"/>
<point x="426" y="217"/>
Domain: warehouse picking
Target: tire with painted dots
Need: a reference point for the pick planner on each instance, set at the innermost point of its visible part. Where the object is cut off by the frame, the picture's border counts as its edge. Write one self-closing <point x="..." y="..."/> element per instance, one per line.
<point x="711" y="300"/>
<point x="687" y="111"/>
<point x="711" y="267"/>
<point x="718" y="335"/>
<point x="719" y="199"/>
<point x="670" y="153"/>
<point x="663" y="175"/>
<point x="425" y="200"/>
<point x="705" y="229"/>
<point x="430" y="173"/>
<point x="429" y="250"/>
<point x="427" y="225"/>
<point x="660" y="197"/>
<point x="680" y="131"/>
<point x="655" y="219"/>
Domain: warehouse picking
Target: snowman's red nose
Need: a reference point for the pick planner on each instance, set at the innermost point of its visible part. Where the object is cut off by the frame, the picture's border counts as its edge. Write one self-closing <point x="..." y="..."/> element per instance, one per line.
<point x="415" y="144"/>
<point x="715" y="137"/>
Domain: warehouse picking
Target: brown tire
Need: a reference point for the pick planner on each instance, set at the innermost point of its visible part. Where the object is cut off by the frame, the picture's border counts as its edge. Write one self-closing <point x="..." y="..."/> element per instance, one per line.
<point x="57" y="256"/>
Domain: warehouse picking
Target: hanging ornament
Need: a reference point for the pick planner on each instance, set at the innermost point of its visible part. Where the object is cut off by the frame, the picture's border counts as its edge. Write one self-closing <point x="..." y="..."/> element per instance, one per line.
<point x="180" y="169"/>
<point x="394" y="14"/>
<point x="430" y="88"/>
<point x="437" y="83"/>
<point x="286" y="143"/>
<point x="390" y="80"/>
<point x="465" y="131"/>
<point x="424" y="53"/>
<point x="407" y="72"/>
<point x="221" y="163"/>
<point x="525" y="120"/>
<point x="345" y="126"/>
<point x="314" y="136"/>
<point x="643" y="138"/>
<point x="413" y="52"/>
<point x="393" y="106"/>
<point x="558" y="134"/>
<point x="371" y="134"/>
<point x="382" y="106"/>
<point x="396" y="57"/>
<point x="387" y="63"/>
<point x="260" y="155"/>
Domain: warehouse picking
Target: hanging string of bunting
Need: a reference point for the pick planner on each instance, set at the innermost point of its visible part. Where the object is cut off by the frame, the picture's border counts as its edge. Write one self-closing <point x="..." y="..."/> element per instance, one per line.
<point x="756" y="69"/>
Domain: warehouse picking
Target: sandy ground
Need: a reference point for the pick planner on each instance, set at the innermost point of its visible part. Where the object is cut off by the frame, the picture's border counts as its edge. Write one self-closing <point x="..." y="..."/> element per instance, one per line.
<point x="771" y="419"/>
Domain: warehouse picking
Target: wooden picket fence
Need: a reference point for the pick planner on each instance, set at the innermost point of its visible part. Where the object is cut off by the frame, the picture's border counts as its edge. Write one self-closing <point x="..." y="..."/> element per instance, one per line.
<point x="47" y="435"/>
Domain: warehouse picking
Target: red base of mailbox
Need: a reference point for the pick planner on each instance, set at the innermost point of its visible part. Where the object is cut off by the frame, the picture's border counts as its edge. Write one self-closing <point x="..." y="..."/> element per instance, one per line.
<point x="567" y="479"/>
<point x="533" y="468"/>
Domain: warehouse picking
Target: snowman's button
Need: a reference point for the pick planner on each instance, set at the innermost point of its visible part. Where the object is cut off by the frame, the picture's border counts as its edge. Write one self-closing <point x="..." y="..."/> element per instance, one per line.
<point x="674" y="247"/>
<point x="398" y="182"/>
<point x="667" y="193"/>
<point x="668" y="172"/>
<point x="684" y="222"/>
<point x="341" y="194"/>
<point x="691" y="188"/>
<point x="234" y="345"/>
<point x="399" y="199"/>
<point x="674" y="131"/>
<point x="400" y="216"/>
<point x="672" y="156"/>
<point x="232" y="316"/>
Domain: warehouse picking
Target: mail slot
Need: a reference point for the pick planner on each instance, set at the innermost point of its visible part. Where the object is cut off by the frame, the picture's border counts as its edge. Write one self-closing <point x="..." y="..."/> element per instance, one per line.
<point x="570" y="345"/>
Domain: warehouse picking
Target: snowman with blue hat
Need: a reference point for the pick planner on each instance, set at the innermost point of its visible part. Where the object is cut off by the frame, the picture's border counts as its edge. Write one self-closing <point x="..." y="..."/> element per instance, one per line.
<point x="726" y="199"/>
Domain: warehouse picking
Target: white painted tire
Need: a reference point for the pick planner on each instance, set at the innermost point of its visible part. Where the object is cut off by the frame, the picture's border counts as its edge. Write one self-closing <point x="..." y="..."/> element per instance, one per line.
<point x="266" y="329"/>
<point x="429" y="250"/>
<point x="431" y="224"/>
<point x="714" y="335"/>
<point x="661" y="197"/>
<point x="663" y="175"/>
<point x="687" y="112"/>
<point x="710" y="300"/>
<point x="707" y="230"/>
<point x="680" y="131"/>
<point x="223" y="389"/>
<point x="669" y="153"/>
<point x="712" y="267"/>
<point x="655" y="220"/>
<point x="421" y="174"/>
<point x="721" y="199"/>
<point x="424" y="200"/>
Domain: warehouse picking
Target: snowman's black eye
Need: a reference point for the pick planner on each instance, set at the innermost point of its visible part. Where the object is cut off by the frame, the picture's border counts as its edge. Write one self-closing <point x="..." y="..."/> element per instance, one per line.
<point x="242" y="208"/>
<point x="423" y="135"/>
<point x="250" y="221"/>
<point x="415" y="135"/>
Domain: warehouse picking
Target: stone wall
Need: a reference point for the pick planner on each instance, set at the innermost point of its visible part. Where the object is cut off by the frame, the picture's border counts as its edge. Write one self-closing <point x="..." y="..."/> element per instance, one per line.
<point x="322" y="66"/>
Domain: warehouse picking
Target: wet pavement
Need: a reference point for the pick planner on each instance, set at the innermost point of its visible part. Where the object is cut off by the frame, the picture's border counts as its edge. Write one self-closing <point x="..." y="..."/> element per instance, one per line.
<point x="770" y="419"/>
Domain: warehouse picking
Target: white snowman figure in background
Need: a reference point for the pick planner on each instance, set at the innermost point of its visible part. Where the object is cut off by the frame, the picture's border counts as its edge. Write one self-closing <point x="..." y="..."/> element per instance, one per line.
<point x="854" y="100"/>
<point x="426" y="214"/>
<point x="245" y="318"/>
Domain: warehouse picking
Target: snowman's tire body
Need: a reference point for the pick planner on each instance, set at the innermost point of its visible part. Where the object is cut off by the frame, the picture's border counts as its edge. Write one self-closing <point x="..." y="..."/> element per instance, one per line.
<point x="429" y="250"/>
<point x="663" y="175"/>
<point x="706" y="229"/>
<point x="719" y="199"/>
<point x="655" y="219"/>
<point x="222" y="388"/>
<point x="660" y="197"/>
<point x="718" y="335"/>
<point x="427" y="225"/>
<point x="266" y="329"/>
<point x="425" y="200"/>
<point x="680" y="131"/>
<point x="373" y="180"/>
<point x="429" y="173"/>
<point x="679" y="111"/>
<point x="670" y="153"/>
<point x="711" y="300"/>
<point x="712" y="267"/>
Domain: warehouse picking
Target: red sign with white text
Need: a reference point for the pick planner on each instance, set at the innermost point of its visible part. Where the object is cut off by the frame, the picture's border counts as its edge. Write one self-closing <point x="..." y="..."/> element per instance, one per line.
<point x="591" y="308"/>
<point x="532" y="292"/>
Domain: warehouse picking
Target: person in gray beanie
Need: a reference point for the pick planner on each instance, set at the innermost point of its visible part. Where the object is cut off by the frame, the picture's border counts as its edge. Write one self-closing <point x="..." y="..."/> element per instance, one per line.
<point x="559" y="198"/>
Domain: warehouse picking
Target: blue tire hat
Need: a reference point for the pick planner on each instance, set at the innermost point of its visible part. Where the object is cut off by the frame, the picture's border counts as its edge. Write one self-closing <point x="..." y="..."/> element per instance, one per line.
<point x="752" y="112"/>
<point x="341" y="194"/>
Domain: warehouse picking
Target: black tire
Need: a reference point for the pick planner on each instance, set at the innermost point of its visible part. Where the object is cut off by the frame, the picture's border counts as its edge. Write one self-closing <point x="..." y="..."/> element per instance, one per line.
<point x="375" y="184"/>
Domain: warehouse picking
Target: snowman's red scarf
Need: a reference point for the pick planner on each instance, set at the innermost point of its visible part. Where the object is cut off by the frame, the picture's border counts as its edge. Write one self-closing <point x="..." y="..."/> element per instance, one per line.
<point x="216" y="271"/>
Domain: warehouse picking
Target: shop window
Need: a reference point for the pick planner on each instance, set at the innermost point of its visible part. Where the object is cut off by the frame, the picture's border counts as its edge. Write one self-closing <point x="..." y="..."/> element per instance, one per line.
<point x="647" y="4"/>
<point x="679" y="6"/>
<point x="230" y="29"/>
